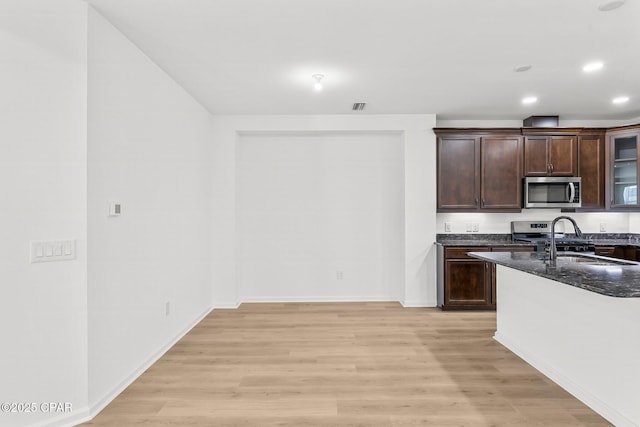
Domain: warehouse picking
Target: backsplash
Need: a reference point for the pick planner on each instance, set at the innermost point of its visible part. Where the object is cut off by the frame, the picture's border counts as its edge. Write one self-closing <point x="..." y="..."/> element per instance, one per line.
<point x="475" y="236"/>
<point x="500" y="223"/>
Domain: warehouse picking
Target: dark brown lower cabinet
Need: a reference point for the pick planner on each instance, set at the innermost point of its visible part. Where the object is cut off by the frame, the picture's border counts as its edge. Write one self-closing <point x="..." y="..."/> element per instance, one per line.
<point x="469" y="283"/>
<point x="622" y="252"/>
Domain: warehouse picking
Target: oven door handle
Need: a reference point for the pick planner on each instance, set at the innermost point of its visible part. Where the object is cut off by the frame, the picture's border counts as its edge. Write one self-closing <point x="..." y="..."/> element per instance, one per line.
<point x="571" y="192"/>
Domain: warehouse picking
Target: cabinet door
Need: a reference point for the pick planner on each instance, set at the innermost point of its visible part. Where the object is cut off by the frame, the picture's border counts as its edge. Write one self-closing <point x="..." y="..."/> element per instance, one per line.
<point x="562" y="155"/>
<point x="623" y="170"/>
<point x="468" y="283"/>
<point x="501" y="173"/>
<point x="591" y="170"/>
<point x="458" y="174"/>
<point x="535" y="156"/>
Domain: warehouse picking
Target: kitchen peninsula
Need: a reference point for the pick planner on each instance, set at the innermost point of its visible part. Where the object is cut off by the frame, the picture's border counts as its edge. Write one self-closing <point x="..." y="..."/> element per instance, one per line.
<point x="577" y="323"/>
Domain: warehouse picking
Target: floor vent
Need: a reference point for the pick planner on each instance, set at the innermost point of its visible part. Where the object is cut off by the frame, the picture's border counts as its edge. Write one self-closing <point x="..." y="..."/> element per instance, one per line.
<point x="359" y="106"/>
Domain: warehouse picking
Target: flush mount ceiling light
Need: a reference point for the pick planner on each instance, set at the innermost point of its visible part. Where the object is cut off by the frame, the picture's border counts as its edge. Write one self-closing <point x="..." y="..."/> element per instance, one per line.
<point x="610" y="5"/>
<point x="318" y="84"/>
<point x="592" y="66"/>
<point x="620" y="100"/>
<point x="529" y="100"/>
<point x="522" y="68"/>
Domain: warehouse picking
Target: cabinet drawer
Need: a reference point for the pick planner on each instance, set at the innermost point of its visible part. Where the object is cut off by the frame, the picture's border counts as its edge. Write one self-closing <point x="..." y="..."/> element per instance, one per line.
<point x="605" y="250"/>
<point x="513" y="249"/>
<point x="461" y="253"/>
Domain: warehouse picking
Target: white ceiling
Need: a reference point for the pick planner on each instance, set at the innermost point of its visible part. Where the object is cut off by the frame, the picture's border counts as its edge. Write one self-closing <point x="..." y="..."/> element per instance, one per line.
<point x="454" y="58"/>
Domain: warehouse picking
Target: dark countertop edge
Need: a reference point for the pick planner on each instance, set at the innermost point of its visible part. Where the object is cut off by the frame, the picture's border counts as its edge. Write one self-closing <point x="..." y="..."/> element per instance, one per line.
<point x="480" y="243"/>
<point x="505" y="240"/>
<point x="478" y="240"/>
<point x="615" y="242"/>
<point x="488" y="256"/>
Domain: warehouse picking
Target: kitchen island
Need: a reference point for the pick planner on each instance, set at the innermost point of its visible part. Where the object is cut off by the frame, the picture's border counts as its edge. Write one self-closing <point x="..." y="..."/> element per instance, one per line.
<point x="577" y="324"/>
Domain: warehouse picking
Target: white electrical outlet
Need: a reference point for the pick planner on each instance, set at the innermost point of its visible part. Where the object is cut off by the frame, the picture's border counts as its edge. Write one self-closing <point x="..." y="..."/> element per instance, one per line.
<point x="339" y="275"/>
<point x="447" y="227"/>
<point x="603" y="227"/>
<point x="475" y="227"/>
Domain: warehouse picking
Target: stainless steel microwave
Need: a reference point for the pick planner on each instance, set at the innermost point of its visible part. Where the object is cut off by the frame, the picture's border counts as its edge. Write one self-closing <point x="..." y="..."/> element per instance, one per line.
<point x="552" y="192"/>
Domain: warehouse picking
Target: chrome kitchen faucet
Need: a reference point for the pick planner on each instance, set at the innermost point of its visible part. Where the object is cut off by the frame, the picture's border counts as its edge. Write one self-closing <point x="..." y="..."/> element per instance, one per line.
<point x="553" y="253"/>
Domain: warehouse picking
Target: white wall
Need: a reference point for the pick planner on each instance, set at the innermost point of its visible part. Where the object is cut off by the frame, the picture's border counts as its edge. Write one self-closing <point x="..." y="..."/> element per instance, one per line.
<point x="43" y="350"/>
<point x="149" y="148"/>
<point x="320" y="216"/>
<point x="419" y="193"/>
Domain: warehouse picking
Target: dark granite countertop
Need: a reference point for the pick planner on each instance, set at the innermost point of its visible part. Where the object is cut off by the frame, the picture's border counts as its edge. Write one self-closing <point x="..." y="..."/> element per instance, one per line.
<point x="616" y="242"/>
<point x="478" y="240"/>
<point x="614" y="281"/>
<point x="602" y="239"/>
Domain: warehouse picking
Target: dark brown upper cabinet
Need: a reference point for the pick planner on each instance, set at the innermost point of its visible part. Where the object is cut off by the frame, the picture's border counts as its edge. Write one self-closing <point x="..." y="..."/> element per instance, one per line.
<point x="458" y="172"/>
<point x="501" y="172"/>
<point x="622" y="163"/>
<point x="550" y="155"/>
<point x="482" y="169"/>
<point x="479" y="171"/>
<point x="591" y="168"/>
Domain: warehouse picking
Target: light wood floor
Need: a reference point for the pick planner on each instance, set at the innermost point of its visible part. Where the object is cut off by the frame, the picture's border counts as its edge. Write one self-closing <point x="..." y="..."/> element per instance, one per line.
<point x="347" y="364"/>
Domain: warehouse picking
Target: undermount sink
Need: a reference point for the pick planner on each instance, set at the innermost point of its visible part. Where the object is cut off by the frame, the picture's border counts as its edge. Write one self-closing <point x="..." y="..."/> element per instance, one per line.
<point x="592" y="260"/>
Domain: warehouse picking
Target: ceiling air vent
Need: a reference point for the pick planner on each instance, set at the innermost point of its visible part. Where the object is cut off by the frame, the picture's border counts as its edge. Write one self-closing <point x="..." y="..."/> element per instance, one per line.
<point x="359" y="106"/>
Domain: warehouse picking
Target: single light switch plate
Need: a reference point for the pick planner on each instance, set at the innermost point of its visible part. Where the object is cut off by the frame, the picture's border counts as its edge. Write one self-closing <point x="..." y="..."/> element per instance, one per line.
<point x="603" y="227"/>
<point x="469" y="227"/>
<point x="53" y="250"/>
<point x="115" y="208"/>
<point x="447" y="227"/>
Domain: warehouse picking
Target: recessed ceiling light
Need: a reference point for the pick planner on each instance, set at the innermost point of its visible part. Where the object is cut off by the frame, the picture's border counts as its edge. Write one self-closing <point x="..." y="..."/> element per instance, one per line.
<point x="592" y="66"/>
<point x="529" y="100"/>
<point x="611" y="5"/>
<point x="522" y="68"/>
<point x="318" y="78"/>
<point x="620" y="100"/>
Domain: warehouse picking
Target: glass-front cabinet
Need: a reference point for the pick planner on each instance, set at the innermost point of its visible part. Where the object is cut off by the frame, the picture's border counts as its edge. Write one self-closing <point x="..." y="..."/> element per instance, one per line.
<point x="623" y="169"/>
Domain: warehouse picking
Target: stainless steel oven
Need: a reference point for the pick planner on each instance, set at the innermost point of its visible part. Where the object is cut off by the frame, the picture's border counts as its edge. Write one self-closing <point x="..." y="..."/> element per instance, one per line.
<point x="552" y="192"/>
<point x="539" y="234"/>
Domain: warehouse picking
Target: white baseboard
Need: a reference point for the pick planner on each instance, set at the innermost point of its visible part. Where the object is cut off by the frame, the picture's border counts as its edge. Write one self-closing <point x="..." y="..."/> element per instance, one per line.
<point x="72" y="419"/>
<point x="606" y="411"/>
<point x="95" y="409"/>
<point x="319" y="299"/>
<point x="417" y="304"/>
<point x="226" y="306"/>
